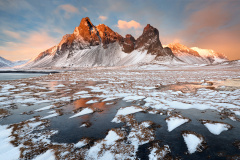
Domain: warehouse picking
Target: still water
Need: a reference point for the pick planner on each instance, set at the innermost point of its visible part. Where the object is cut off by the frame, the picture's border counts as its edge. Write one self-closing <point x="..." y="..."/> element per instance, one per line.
<point x="14" y="76"/>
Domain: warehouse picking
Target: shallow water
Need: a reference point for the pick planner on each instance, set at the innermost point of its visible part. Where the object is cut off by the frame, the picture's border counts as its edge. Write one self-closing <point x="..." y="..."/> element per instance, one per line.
<point x="216" y="143"/>
<point x="71" y="132"/>
<point x="14" y="76"/>
<point x="194" y="86"/>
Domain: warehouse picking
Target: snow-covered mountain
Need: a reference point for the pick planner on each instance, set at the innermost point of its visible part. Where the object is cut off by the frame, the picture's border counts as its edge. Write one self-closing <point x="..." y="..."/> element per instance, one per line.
<point x="211" y="55"/>
<point x="91" y="45"/>
<point x="7" y="63"/>
<point x="196" y="55"/>
<point x="4" y="62"/>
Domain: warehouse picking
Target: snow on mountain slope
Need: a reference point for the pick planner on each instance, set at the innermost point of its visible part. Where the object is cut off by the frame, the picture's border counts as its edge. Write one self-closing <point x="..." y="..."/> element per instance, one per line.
<point x="196" y="55"/>
<point x="7" y="63"/>
<point x="186" y="54"/>
<point x="4" y="62"/>
<point x="19" y="63"/>
<point x="211" y="55"/>
<point x="96" y="56"/>
<point x="136" y="57"/>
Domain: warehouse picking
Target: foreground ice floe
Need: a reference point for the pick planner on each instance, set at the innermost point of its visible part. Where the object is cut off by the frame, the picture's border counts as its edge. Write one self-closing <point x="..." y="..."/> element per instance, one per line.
<point x="129" y="86"/>
<point x="19" y="140"/>
<point x="45" y="108"/>
<point x="51" y="115"/>
<point x="176" y="121"/>
<point x="82" y="143"/>
<point x="83" y="112"/>
<point x="157" y="152"/>
<point x="216" y="127"/>
<point x="7" y="150"/>
<point x="107" y="148"/>
<point x="49" y="155"/>
<point x="125" y="111"/>
<point x="194" y="141"/>
<point x="120" y="145"/>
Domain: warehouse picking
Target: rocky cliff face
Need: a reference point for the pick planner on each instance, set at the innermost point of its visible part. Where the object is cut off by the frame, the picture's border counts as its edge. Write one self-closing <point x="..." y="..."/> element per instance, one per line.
<point x="107" y="35"/>
<point x="129" y="43"/>
<point x="149" y="40"/>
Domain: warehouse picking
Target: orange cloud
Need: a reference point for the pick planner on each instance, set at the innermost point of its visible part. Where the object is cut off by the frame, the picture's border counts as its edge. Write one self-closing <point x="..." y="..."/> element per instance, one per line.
<point x="29" y="47"/>
<point x="210" y="17"/>
<point x="214" y="26"/>
<point x="127" y="25"/>
<point x="102" y="18"/>
<point x="225" y="41"/>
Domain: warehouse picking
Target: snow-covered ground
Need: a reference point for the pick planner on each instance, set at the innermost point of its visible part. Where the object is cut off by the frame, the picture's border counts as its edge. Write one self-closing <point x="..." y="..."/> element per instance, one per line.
<point x="85" y="94"/>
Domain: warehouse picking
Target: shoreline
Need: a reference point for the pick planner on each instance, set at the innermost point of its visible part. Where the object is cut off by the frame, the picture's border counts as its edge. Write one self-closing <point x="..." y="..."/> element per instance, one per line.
<point x="16" y="71"/>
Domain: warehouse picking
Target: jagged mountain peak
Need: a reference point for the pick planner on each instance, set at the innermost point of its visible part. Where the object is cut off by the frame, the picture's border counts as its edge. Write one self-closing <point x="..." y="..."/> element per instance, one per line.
<point x="129" y="36"/>
<point x="107" y="35"/>
<point x="86" y="22"/>
<point x="149" y="40"/>
<point x="148" y="27"/>
<point x="129" y="43"/>
<point x="86" y="31"/>
<point x="91" y="45"/>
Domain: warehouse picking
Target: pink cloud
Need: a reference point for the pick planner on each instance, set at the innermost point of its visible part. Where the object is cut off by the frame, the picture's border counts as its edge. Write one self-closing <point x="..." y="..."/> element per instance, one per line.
<point x="68" y="9"/>
<point x="85" y="9"/>
<point x="102" y="18"/>
<point x="127" y="25"/>
<point x="12" y="34"/>
<point x="213" y="26"/>
<point x="29" y="47"/>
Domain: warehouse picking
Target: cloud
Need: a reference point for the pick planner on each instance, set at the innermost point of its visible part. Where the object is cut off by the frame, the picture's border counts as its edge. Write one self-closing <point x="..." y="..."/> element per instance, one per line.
<point x="209" y="18"/>
<point x="68" y="10"/>
<point x="85" y="9"/>
<point x="225" y="41"/>
<point x="12" y="34"/>
<point x="127" y="25"/>
<point x="29" y="47"/>
<point x="102" y="18"/>
<point x="212" y="25"/>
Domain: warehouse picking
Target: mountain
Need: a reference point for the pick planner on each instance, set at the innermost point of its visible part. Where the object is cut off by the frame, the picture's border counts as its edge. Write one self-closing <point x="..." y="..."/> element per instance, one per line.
<point x="7" y="63"/>
<point x="99" y="45"/>
<point x="211" y="55"/>
<point x="196" y="55"/>
<point x="4" y="62"/>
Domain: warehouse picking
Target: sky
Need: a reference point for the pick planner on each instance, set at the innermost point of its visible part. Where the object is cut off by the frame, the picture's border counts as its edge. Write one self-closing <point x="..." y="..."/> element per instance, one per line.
<point x="29" y="27"/>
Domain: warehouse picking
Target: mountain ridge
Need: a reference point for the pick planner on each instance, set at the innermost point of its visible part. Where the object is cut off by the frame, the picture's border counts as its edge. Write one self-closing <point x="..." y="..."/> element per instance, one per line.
<point x="195" y="55"/>
<point x="75" y="49"/>
<point x="7" y="63"/>
<point x="94" y="46"/>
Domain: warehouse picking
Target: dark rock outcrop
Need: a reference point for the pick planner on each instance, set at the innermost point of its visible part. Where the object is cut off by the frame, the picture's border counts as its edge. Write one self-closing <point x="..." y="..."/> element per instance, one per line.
<point x="129" y="43"/>
<point x="149" y="40"/>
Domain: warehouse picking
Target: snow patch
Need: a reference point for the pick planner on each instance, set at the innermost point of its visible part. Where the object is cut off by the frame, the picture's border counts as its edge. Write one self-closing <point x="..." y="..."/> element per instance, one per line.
<point x="83" y="112"/>
<point x="175" y="121"/>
